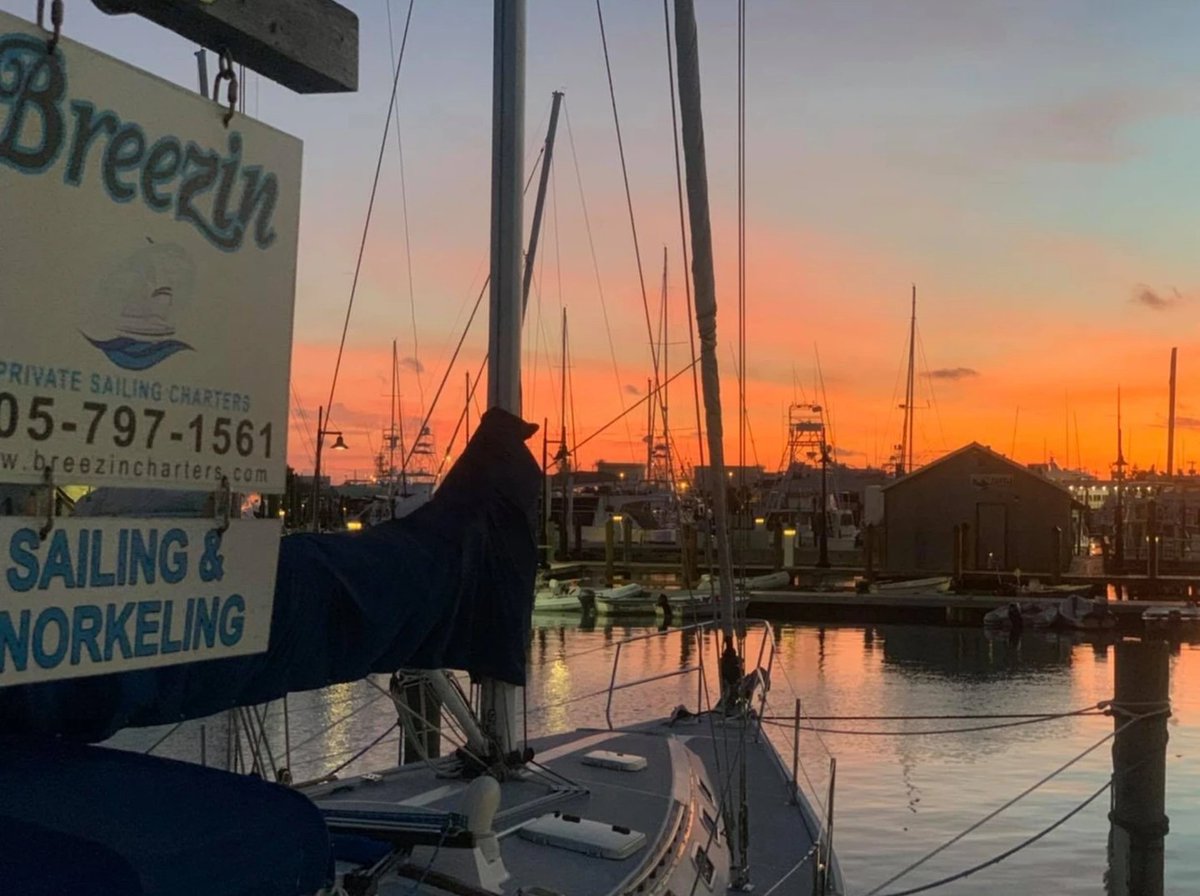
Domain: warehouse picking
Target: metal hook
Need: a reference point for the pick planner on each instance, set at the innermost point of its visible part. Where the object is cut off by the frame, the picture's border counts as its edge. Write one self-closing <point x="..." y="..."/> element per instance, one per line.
<point x="224" y="505"/>
<point x="56" y="22"/>
<point x="225" y="72"/>
<point x="48" y="482"/>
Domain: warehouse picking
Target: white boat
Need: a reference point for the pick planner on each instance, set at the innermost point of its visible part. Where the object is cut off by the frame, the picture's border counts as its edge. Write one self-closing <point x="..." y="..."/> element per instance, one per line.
<point x="770" y="581"/>
<point x="1031" y="614"/>
<point x="912" y="586"/>
<point x="1074" y="613"/>
<point x="1172" y="617"/>
<point x="619" y="600"/>
<point x="695" y="604"/>
<point x="1078" y="613"/>
<point x="557" y="597"/>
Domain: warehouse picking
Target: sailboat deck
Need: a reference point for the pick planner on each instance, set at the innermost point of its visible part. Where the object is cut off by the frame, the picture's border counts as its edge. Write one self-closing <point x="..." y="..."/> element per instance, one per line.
<point x="645" y="801"/>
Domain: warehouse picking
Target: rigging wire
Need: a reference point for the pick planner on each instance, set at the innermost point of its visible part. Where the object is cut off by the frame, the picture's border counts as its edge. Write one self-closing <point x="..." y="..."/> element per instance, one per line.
<point x="637" y="250"/>
<point x="299" y="411"/>
<point x="370" y="208"/>
<point x="741" y="238"/>
<point x="1020" y="796"/>
<point x="412" y="296"/>
<point x="937" y="412"/>
<point x="995" y="860"/>
<point x="596" y="267"/>
<point x="687" y="279"/>
<point x="631" y="408"/>
<point x="449" y="367"/>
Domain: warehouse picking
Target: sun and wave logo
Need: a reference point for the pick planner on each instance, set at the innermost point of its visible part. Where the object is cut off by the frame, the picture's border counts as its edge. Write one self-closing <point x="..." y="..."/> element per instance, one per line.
<point x="138" y="306"/>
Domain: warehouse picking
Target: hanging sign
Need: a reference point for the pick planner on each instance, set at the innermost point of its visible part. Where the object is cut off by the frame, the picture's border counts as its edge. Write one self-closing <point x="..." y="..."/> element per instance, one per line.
<point x="147" y="277"/>
<point x="109" y="595"/>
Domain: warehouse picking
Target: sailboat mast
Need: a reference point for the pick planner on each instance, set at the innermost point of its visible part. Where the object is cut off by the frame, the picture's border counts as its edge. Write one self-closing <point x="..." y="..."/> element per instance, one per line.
<point x="1171" y="418"/>
<point x="499" y="700"/>
<point x="539" y="203"/>
<point x="705" y="292"/>
<point x="906" y="449"/>
<point x="664" y="394"/>
<point x="508" y="137"/>
<point x="391" y="488"/>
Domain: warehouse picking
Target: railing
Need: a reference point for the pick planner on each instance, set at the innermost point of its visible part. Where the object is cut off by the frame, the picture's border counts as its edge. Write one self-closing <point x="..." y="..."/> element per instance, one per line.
<point x="824" y="878"/>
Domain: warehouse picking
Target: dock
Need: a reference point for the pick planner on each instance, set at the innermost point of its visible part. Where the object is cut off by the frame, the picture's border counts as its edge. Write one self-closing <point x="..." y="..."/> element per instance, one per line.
<point x="827" y="594"/>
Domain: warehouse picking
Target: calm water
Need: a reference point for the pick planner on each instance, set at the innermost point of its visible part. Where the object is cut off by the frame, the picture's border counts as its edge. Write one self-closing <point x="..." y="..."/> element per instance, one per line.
<point x="897" y="796"/>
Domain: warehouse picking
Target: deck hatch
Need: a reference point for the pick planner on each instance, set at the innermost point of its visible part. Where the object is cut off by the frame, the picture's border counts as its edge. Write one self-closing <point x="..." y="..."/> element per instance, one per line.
<point x="622" y="762"/>
<point x="593" y="838"/>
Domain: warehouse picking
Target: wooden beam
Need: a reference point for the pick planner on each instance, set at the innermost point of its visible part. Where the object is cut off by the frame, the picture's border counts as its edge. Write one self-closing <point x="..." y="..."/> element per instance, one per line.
<point x="310" y="46"/>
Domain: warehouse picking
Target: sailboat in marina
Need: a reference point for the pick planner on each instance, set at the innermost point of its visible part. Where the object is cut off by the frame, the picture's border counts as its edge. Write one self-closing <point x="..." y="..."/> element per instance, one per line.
<point x="653" y="807"/>
<point x="686" y="800"/>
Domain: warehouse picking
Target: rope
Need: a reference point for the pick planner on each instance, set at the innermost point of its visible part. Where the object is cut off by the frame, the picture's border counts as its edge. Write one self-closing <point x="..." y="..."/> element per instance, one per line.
<point x="966" y="730"/>
<point x="308" y="740"/>
<point x="633" y="407"/>
<point x="449" y="367"/>
<point x="158" y="743"/>
<point x="1020" y="796"/>
<point x="587" y="226"/>
<point x="995" y="860"/>
<point x="637" y="251"/>
<point x="362" y="246"/>
<point x="372" y="745"/>
<point x="687" y="280"/>
<point x="412" y="296"/>
<point x="808" y="855"/>
<point x="1096" y="709"/>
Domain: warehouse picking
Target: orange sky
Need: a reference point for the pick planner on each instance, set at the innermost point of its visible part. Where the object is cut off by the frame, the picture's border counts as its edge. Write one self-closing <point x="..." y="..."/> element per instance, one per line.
<point x="1042" y="196"/>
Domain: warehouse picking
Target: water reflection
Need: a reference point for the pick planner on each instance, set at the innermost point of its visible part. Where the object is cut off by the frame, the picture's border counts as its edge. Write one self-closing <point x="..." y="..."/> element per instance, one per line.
<point x="899" y="794"/>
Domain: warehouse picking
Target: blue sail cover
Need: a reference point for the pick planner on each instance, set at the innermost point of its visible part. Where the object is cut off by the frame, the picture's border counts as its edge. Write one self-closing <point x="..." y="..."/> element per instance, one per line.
<point x="78" y="819"/>
<point x="449" y="586"/>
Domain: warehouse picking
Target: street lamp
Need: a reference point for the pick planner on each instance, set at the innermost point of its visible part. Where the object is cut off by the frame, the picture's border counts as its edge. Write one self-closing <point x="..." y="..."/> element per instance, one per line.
<point x="339" y="444"/>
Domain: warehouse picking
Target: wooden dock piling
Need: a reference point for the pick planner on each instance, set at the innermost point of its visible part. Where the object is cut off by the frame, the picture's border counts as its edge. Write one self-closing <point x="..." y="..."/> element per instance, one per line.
<point x="1138" y="818"/>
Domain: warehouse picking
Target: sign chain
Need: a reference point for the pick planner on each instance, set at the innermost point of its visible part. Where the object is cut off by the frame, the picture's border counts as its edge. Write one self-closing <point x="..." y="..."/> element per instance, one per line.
<point x="225" y="72"/>
<point x="56" y="21"/>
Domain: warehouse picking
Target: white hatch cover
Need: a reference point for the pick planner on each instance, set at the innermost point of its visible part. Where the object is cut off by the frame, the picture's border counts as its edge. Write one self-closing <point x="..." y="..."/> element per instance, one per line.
<point x="593" y="838"/>
<point x="622" y="762"/>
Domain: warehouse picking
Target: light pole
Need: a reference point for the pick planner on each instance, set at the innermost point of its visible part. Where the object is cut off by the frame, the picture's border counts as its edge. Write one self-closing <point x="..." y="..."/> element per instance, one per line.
<point x="339" y="444"/>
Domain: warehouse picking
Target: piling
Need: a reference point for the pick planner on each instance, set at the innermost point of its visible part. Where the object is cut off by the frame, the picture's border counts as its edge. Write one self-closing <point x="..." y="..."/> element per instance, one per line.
<point x="1152" y="541"/>
<point x="609" y="551"/>
<point x="627" y="546"/>
<point x="1138" y="818"/>
<point x="1056" y="570"/>
<point x="957" y="570"/>
<point x="869" y="554"/>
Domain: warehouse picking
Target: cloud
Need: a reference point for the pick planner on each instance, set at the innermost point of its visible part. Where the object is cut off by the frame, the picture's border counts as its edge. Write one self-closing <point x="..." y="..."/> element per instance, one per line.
<point x="952" y="373"/>
<point x="1187" y="423"/>
<point x="1156" y="300"/>
<point x="412" y="364"/>
<point x="630" y="389"/>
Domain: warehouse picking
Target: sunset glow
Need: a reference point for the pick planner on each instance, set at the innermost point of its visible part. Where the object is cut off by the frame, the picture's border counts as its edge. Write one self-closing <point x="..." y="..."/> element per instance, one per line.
<point x="1039" y="195"/>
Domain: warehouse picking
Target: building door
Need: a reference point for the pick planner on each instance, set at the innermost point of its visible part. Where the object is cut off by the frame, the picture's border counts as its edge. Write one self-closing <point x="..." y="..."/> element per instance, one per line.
<point x="991" y="536"/>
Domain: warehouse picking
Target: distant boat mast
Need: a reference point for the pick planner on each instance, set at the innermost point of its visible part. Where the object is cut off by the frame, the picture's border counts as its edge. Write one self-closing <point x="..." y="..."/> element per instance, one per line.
<point x="905" y="462"/>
